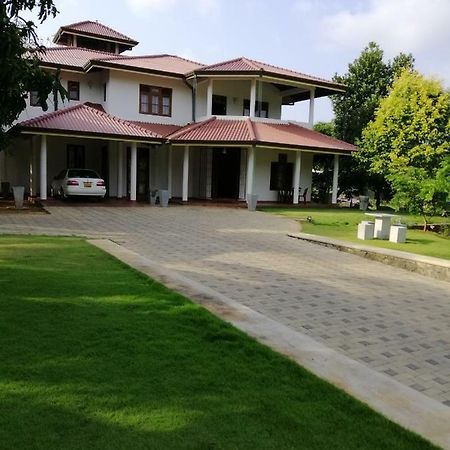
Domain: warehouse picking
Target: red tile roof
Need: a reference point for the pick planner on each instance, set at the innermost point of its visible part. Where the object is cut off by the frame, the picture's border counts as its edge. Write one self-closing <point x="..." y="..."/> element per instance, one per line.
<point x="160" y="129"/>
<point x="88" y="119"/>
<point x="170" y="64"/>
<point x="224" y="131"/>
<point x="96" y="29"/>
<point x="244" y="65"/>
<point x="70" y="57"/>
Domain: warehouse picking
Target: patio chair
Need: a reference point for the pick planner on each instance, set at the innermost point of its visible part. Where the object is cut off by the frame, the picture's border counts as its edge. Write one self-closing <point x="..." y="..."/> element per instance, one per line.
<point x="303" y="196"/>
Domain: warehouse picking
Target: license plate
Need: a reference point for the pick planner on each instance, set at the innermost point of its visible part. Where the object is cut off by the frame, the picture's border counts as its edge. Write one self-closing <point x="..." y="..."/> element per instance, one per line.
<point x="87" y="184"/>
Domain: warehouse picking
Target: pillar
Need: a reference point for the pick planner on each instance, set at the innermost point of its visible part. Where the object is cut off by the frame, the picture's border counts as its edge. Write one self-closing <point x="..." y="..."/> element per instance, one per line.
<point x="34" y="165"/>
<point x="335" y="179"/>
<point x="250" y="169"/>
<point x="209" y="97"/>
<point x="185" y="174"/>
<point x="43" y="167"/>
<point x="297" y="169"/>
<point x="311" y="107"/>
<point x="133" y="172"/>
<point x="169" y="170"/>
<point x="120" y="170"/>
<point x="253" y="98"/>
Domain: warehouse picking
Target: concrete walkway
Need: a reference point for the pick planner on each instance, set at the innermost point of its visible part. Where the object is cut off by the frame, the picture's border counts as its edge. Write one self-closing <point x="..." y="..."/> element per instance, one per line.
<point x="391" y="321"/>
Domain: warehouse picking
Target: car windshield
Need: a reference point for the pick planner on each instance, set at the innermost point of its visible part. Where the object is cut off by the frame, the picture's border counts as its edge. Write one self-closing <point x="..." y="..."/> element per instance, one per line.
<point x="82" y="173"/>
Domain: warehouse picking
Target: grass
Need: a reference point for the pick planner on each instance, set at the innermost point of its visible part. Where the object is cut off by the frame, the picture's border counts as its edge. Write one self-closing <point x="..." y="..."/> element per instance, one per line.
<point x="96" y="356"/>
<point x="342" y="223"/>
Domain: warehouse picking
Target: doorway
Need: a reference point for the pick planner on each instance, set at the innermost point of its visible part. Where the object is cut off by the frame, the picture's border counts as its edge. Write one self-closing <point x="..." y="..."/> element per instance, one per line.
<point x="226" y="165"/>
<point x="143" y="179"/>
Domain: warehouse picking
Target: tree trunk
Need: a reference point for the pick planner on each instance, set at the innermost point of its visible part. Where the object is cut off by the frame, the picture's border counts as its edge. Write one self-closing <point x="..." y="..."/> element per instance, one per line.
<point x="425" y="223"/>
<point x="378" y="199"/>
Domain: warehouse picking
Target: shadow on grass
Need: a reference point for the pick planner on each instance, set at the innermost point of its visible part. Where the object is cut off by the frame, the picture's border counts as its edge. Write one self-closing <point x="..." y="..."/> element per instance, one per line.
<point x="97" y="356"/>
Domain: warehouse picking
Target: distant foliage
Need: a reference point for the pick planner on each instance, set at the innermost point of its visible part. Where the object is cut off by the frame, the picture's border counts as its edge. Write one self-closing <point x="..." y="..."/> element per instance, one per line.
<point x="19" y="65"/>
<point x="408" y="144"/>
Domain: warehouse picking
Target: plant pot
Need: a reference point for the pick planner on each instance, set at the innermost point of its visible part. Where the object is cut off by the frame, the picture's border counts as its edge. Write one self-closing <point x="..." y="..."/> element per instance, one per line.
<point x="18" y="192"/>
<point x="164" y="198"/>
<point x="363" y="202"/>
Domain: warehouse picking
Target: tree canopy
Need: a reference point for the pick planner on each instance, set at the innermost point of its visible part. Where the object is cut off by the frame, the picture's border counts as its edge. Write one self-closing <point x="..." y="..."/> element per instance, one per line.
<point x="408" y="144"/>
<point x="19" y="65"/>
<point x="368" y="80"/>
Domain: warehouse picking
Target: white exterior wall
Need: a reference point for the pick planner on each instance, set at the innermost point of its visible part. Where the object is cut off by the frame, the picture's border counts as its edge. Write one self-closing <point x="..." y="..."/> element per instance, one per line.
<point x="236" y="91"/>
<point x="263" y="159"/>
<point x="123" y="97"/>
<point x="91" y="90"/>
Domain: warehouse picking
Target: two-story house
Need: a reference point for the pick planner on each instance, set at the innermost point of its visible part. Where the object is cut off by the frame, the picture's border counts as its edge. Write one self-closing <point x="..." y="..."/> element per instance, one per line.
<point x="164" y="122"/>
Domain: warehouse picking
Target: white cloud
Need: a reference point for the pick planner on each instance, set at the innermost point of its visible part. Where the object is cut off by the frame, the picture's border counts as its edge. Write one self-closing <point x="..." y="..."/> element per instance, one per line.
<point x="202" y="7"/>
<point x="417" y="26"/>
<point x="142" y="5"/>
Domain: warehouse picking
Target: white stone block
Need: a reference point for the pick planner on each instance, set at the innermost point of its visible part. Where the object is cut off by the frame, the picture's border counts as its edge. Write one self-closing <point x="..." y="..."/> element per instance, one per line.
<point x="397" y="234"/>
<point x="365" y="230"/>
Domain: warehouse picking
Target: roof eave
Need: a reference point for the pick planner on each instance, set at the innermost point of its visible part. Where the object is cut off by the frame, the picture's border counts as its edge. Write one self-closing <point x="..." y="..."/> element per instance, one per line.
<point x="87" y="134"/>
<point x="338" y="87"/>
<point x="105" y="65"/>
<point x="62" y="30"/>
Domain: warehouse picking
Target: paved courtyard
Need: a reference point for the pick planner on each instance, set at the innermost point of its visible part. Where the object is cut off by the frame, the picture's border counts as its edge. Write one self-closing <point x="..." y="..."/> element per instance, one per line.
<point x="391" y="320"/>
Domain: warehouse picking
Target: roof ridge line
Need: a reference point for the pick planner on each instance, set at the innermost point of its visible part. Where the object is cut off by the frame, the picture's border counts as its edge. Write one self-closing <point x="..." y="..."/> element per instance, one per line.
<point x="49" y="115"/>
<point x="68" y="27"/>
<point x="190" y="127"/>
<point x="252" y="63"/>
<point x="251" y="129"/>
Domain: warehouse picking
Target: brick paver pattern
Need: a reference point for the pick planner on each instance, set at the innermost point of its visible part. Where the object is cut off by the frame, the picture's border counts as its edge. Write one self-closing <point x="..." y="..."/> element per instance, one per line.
<point x="394" y="321"/>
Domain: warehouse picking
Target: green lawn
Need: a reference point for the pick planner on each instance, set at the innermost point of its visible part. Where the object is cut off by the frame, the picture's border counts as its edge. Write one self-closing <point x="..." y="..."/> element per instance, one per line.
<point x="342" y="223"/>
<point x="96" y="356"/>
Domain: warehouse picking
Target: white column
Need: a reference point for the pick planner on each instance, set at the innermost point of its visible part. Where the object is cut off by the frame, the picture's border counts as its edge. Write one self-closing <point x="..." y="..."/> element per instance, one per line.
<point x="117" y="49"/>
<point x="312" y="93"/>
<point x="33" y="166"/>
<point x="133" y="172"/>
<point x="253" y="98"/>
<point x="335" y="179"/>
<point x="209" y="97"/>
<point x="120" y="170"/>
<point x="250" y="169"/>
<point x="43" y="174"/>
<point x="74" y="40"/>
<point x="185" y="174"/>
<point x="297" y="169"/>
<point x="169" y="170"/>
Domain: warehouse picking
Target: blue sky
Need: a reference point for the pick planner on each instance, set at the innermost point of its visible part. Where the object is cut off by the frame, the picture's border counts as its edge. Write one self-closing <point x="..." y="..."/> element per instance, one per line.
<point x="317" y="37"/>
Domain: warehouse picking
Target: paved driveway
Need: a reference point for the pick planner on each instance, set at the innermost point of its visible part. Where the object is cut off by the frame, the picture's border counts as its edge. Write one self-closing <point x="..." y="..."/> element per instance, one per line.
<point x="394" y="321"/>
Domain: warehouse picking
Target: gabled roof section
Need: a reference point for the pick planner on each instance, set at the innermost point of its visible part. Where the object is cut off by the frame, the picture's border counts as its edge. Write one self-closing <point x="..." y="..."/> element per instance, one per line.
<point x="247" y="132"/>
<point x="246" y="66"/>
<point x="95" y="30"/>
<point x="90" y="120"/>
<point x="160" y="129"/>
<point x="71" y="58"/>
<point x="170" y="65"/>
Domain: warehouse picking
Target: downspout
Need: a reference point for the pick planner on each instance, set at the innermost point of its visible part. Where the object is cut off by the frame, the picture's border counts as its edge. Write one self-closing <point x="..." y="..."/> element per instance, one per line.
<point x="193" y="88"/>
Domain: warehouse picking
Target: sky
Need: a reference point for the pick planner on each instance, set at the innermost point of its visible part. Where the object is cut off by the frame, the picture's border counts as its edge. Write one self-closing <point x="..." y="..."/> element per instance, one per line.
<point x="316" y="37"/>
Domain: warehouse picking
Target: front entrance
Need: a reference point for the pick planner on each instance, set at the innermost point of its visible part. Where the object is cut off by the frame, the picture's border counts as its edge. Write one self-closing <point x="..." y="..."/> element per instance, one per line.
<point x="143" y="169"/>
<point x="226" y="165"/>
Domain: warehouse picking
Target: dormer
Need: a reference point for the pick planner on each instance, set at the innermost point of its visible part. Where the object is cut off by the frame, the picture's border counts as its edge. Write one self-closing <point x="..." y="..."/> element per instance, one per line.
<point x="93" y="36"/>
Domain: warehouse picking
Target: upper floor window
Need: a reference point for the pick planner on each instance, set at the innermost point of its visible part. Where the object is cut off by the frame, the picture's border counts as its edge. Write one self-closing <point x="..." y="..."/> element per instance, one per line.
<point x="261" y="109"/>
<point x="219" y="105"/>
<point x="34" y="98"/>
<point x="155" y="100"/>
<point x="73" y="88"/>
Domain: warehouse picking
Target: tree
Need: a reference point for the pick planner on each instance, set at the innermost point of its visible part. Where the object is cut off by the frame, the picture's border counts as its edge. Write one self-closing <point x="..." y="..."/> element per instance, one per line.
<point x="19" y="64"/>
<point x="407" y="143"/>
<point x="368" y="80"/>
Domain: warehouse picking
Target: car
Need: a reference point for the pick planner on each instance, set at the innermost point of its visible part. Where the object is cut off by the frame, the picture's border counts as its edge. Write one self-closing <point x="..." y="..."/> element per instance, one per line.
<point x="78" y="182"/>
